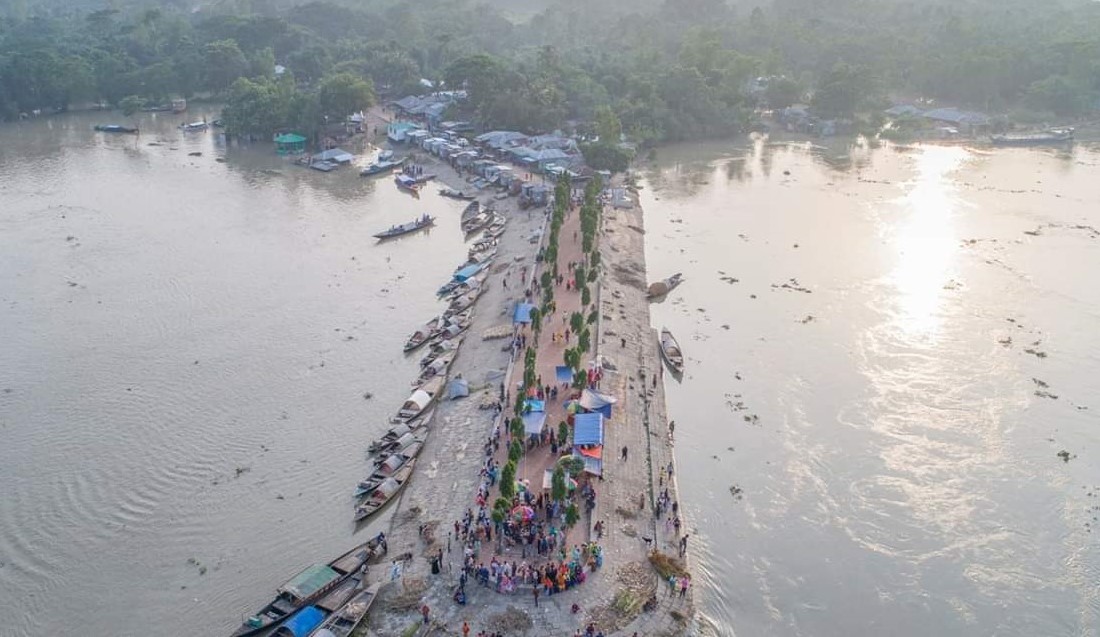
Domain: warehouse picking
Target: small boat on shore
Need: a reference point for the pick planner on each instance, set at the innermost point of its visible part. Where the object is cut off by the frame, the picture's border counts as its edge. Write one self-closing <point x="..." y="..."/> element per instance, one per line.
<point x="309" y="587"/>
<point x="388" y="467"/>
<point x="465" y="301"/>
<point x="385" y="492"/>
<point x="1052" y="136"/>
<point x="437" y="367"/>
<point x="405" y="182"/>
<point x="420" y="399"/>
<point x="406" y="228"/>
<point x="344" y="621"/>
<point x="114" y="128"/>
<point x="394" y="435"/>
<point x="470" y="211"/>
<point x="194" y="127"/>
<point x="477" y="222"/>
<point x="382" y="166"/>
<point x="663" y="287"/>
<point x="671" y="352"/>
<point x="421" y="336"/>
<point x="451" y="193"/>
<point x="438" y="349"/>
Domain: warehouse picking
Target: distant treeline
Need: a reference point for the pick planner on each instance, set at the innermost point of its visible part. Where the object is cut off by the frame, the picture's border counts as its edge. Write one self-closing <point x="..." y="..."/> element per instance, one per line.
<point x="678" y="69"/>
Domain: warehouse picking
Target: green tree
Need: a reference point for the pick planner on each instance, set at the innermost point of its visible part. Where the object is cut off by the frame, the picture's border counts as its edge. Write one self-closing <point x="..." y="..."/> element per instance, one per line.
<point x="343" y="94"/>
<point x="558" y="489"/>
<point x="508" y="481"/>
<point x="224" y="63"/>
<point x="608" y="127"/>
<point x="563" y="433"/>
<point x="131" y="104"/>
<point x="515" y="451"/>
<point x="576" y="322"/>
<point x="572" y="515"/>
<point x="782" y="92"/>
<point x="844" y="91"/>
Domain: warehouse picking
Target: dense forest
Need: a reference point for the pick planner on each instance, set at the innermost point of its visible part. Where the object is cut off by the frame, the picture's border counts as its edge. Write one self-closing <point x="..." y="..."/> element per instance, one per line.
<point x="666" y="70"/>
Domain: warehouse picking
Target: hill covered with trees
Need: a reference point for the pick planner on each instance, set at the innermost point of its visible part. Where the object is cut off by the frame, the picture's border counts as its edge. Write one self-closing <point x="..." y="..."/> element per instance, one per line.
<point x="667" y="69"/>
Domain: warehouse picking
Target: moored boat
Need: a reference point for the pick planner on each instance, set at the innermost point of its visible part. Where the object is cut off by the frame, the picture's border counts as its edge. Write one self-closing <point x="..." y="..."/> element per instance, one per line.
<point x="477" y="222"/>
<point x="406" y="182"/>
<point x="421" y="336"/>
<point x="114" y="128"/>
<point x="388" y="467"/>
<point x="385" y="492"/>
<point x="420" y="400"/>
<point x="347" y="618"/>
<point x="380" y="167"/>
<point x="671" y="352"/>
<point x="1041" y="138"/>
<point x="406" y="228"/>
<point x="307" y="588"/>
<point x="194" y="127"/>
<point x="664" y="286"/>
<point x="470" y="211"/>
<point x="451" y="193"/>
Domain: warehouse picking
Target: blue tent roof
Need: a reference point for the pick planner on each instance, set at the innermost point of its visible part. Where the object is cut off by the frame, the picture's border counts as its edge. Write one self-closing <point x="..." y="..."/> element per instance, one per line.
<point x="303" y="622"/>
<point x="533" y="422"/>
<point x="588" y="429"/>
<point x="535" y="405"/>
<point x="563" y="374"/>
<point x="522" y="313"/>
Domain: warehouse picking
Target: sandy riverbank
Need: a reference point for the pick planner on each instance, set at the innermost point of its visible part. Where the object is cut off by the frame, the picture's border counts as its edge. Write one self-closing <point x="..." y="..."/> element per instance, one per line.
<point x="447" y="475"/>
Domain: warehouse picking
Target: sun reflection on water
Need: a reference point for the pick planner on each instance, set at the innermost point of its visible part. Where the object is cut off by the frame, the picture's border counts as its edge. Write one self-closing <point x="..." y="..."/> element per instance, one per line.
<point x="926" y="239"/>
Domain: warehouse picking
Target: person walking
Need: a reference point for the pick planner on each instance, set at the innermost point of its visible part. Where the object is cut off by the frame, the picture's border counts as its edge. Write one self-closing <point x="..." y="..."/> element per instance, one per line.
<point x="624" y="452"/>
<point x="425" y="611"/>
<point x="535" y="592"/>
<point x="465" y="629"/>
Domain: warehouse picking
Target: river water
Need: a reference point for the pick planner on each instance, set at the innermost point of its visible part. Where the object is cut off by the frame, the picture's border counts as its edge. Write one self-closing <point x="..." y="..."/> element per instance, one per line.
<point x="186" y="348"/>
<point x="887" y="350"/>
<point x="187" y="344"/>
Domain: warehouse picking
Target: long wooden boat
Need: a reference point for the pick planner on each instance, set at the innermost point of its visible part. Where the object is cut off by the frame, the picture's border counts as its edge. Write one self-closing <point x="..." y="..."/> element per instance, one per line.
<point x="1043" y="138"/>
<point x="406" y="182"/>
<point x="451" y="193"/>
<point x="425" y="332"/>
<point x="671" y="352"/>
<point x="472" y="225"/>
<point x="406" y="228"/>
<point x="466" y="301"/>
<point x="308" y="587"/>
<point x="381" y="167"/>
<point x="439" y="366"/>
<point x="664" y="286"/>
<point x="114" y="128"/>
<point x="440" y="348"/>
<point x="385" y="492"/>
<point x="347" y="618"/>
<point x="387" y="468"/>
<point x="470" y="211"/>
<point x="194" y="127"/>
<point x="420" y="400"/>
<point x="398" y="431"/>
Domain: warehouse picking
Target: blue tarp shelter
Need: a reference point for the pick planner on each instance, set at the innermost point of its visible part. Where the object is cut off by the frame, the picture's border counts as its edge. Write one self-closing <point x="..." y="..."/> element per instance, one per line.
<point x="563" y="374"/>
<point x="534" y="405"/>
<point x="588" y="429"/>
<point x="533" y="422"/>
<point x="302" y="623"/>
<point x="595" y="401"/>
<point x="522" y="313"/>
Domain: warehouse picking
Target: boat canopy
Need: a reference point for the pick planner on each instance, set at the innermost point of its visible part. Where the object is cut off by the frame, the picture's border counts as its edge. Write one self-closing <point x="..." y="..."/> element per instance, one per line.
<point x="404" y="441"/>
<point x="391" y="464"/>
<point x="302" y="623"/>
<point x="388" y="487"/>
<point x="467" y="272"/>
<point x="324" y="632"/>
<point x="418" y="401"/>
<point x="309" y="581"/>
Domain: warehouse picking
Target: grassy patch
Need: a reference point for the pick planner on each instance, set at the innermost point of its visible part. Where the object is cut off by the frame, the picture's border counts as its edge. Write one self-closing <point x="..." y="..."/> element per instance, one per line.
<point x="667" y="565"/>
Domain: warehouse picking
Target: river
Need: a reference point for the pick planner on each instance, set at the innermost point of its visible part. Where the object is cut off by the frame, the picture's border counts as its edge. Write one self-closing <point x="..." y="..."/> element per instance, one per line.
<point x="887" y="349"/>
<point x="187" y="346"/>
<point x="186" y="349"/>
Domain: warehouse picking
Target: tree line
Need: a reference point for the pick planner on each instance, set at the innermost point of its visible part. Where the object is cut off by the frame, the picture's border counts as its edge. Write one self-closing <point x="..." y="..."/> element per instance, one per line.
<point x="666" y="71"/>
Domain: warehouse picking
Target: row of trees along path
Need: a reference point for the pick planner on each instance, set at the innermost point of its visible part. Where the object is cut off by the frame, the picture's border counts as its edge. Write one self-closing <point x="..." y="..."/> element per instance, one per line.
<point x="562" y="331"/>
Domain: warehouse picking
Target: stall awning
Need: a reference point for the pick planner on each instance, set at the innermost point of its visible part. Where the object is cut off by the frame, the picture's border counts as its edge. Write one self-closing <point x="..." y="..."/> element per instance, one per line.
<point x="563" y="374"/>
<point x="595" y="401"/>
<point x="588" y="429"/>
<point x="522" y="313"/>
<point x="534" y="422"/>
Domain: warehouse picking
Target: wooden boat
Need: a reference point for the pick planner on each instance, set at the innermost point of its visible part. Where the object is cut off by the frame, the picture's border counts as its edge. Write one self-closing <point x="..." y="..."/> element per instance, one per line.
<point x="478" y="222"/>
<point x="464" y="287"/>
<point x="1043" y="138"/>
<point x="466" y="301"/>
<point x="671" y="352"/>
<point x="493" y="233"/>
<point x="496" y="226"/>
<point x="406" y="182"/>
<point x="385" y="492"/>
<point x="114" y="128"/>
<point x="308" y="587"/>
<point x="194" y="127"/>
<point x="483" y="245"/>
<point x="478" y="258"/>
<point x="347" y="618"/>
<point x="400" y="443"/>
<point x="440" y="348"/>
<point x="406" y="228"/>
<point x="421" y="336"/>
<point x="470" y="211"/>
<point x="663" y="287"/>
<point x="420" y="400"/>
<point x="399" y="431"/>
<point x="381" y="166"/>
<point x="387" y="468"/>
<point x="451" y="193"/>
<point x="437" y="367"/>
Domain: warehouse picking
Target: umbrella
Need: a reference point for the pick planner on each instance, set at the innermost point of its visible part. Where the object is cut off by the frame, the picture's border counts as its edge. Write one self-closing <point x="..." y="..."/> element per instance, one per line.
<point x="523" y="513"/>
